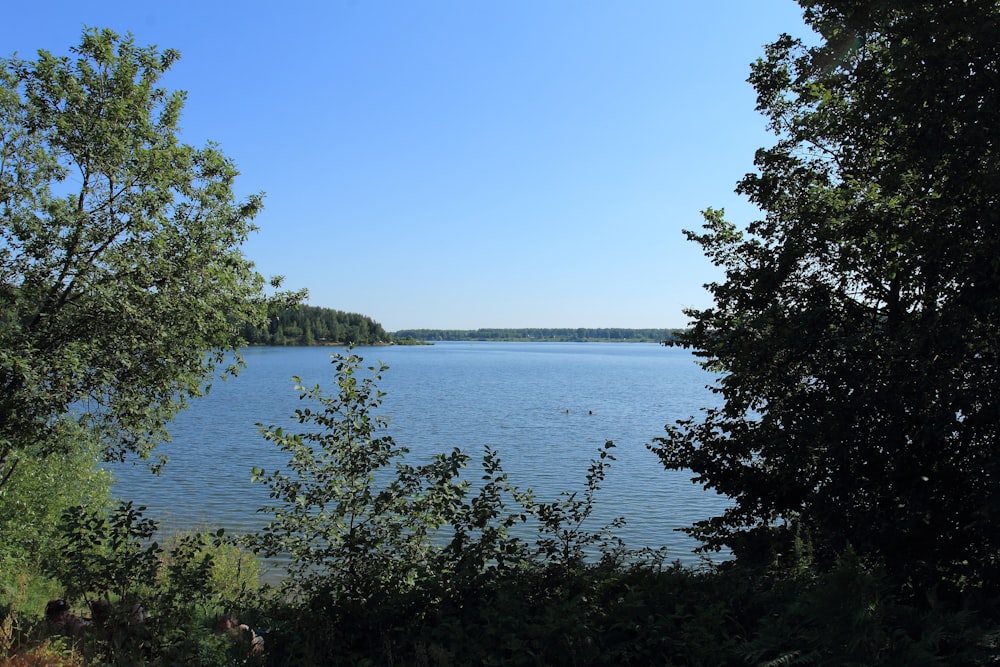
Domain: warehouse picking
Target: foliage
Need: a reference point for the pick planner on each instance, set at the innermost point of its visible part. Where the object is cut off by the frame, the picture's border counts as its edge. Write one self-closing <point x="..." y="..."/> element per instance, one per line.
<point x="354" y="518"/>
<point x="52" y="653"/>
<point x="101" y="555"/>
<point x="458" y="581"/>
<point x="40" y="489"/>
<point x="148" y="605"/>
<point x="642" y="614"/>
<point x="24" y="590"/>
<point x="480" y="541"/>
<point x="851" y="615"/>
<point x="562" y="524"/>
<point x="374" y="541"/>
<point x="311" y="325"/>
<point x="856" y="336"/>
<point x="19" y="593"/>
<point x="122" y="282"/>
<point x="856" y="330"/>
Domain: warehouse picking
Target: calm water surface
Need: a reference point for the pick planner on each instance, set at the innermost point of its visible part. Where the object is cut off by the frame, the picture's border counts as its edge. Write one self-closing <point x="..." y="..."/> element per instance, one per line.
<point x="545" y="407"/>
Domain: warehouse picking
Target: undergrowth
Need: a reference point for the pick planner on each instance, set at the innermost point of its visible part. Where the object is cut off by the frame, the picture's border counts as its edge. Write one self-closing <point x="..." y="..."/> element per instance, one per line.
<point x="402" y="564"/>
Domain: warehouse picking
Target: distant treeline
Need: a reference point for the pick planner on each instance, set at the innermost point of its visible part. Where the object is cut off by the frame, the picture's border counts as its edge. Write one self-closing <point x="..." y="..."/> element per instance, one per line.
<point x="548" y="335"/>
<point x="311" y="325"/>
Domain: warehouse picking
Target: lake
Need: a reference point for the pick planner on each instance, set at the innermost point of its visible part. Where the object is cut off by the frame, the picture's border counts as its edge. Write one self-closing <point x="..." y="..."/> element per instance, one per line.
<point x="546" y="408"/>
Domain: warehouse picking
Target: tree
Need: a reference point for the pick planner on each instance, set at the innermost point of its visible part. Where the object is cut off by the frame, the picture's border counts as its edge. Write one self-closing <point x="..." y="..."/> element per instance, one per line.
<point x="307" y="325"/>
<point x="380" y="551"/>
<point x="122" y="282"/>
<point x="857" y="331"/>
<point x="354" y="517"/>
<point x="39" y="490"/>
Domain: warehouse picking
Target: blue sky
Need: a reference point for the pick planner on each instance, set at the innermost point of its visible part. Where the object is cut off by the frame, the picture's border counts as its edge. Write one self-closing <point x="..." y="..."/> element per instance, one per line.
<point x="458" y="164"/>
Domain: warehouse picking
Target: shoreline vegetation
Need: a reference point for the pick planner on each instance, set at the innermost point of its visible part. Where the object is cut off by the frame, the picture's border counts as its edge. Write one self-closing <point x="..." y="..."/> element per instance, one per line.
<point x="853" y="338"/>
<point x="318" y="326"/>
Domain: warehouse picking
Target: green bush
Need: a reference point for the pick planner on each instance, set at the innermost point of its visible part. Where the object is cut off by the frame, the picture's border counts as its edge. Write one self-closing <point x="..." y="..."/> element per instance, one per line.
<point x="39" y="489"/>
<point x="411" y="564"/>
<point x="150" y="604"/>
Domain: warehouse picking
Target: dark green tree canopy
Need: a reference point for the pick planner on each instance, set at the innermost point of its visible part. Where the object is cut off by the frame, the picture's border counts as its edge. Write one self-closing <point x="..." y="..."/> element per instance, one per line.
<point x="856" y="330"/>
<point x="122" y="281"/>
<point x="314" y="325"/>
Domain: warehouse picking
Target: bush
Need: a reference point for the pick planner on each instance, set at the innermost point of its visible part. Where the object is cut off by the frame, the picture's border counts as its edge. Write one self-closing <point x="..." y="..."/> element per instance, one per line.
<point x="149" y="604"/>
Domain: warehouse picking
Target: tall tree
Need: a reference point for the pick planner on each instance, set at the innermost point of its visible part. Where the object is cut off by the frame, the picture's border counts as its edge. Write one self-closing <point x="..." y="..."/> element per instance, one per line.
<point x="122" y="281"/>
<point x="857" y="330"/>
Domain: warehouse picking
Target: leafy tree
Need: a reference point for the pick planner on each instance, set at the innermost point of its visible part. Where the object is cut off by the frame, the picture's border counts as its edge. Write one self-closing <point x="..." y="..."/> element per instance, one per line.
<point x="40" y="489"/>
<point x="122" y="282"/>
<point x="857" y="330"/>
<point x="384" y="556"/>
<point x="354" y="517"/>
<point x="106" y="553"/>
<point x="308" y="325"/>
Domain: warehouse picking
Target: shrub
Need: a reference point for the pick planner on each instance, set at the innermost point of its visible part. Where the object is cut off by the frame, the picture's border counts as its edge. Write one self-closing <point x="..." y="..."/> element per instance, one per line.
<point x="149" y="604"/>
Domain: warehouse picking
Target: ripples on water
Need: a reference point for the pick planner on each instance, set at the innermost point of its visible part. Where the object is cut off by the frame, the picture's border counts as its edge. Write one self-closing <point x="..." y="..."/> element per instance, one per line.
<point x="546" y="408"/>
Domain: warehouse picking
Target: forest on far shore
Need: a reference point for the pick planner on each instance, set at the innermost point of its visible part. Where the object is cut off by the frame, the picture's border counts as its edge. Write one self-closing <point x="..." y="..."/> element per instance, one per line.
<point x="545" y="335"/>
<point x="314" y="325"/>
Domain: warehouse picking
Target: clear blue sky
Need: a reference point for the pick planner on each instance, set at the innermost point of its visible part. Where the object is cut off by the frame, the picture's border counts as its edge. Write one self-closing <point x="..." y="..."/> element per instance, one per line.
<point x="466" y="163"/>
